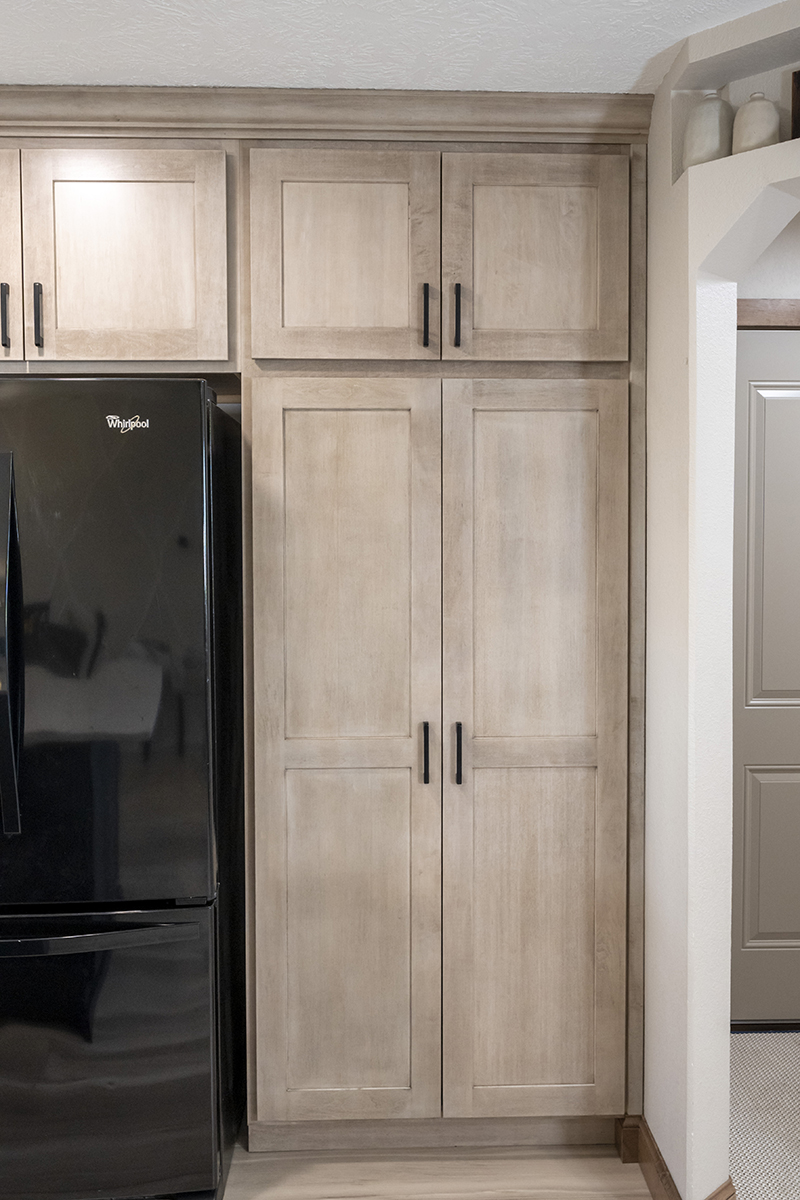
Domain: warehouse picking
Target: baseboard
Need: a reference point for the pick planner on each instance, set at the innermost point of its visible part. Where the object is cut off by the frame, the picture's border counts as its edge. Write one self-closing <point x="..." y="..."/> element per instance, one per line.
<point x="626" y="1137"/>
<point x="633" y="1136"/>
<point x="429" y="1134"/>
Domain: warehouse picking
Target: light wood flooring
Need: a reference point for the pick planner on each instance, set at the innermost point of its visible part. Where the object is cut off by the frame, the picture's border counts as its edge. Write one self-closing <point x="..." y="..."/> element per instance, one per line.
<point x="529" y="1173"/>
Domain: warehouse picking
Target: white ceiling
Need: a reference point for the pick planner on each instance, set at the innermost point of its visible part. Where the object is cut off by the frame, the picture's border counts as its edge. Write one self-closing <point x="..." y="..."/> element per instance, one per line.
<point x="495" y="45"/>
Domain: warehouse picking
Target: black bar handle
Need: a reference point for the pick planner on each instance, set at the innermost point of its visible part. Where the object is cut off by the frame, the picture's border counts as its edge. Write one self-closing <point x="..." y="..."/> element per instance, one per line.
<point x="457" y="336"/>
<point x="426" y="748"/>
<point x="11" y="611"/>
<point x="459" y="778"/>
<point x="5" y="336"/>
<point x="124" y="938"/>
<point x="426" y="314"/>
<point x="38" y="334"/>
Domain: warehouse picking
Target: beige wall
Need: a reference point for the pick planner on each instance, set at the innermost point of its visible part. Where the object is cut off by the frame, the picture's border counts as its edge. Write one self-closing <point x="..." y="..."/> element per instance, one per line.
<point x="706" y="230"/>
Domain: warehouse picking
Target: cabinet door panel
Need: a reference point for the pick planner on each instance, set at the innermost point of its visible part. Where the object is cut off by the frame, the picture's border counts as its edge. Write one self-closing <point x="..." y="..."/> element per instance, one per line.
<point x="535" y="669"/>
<point x="11" y="252"/>
<point x="539" y="245"/>
<point x="341" y="246"/>
<point x="130" y="248"/>
<point x="347" y="667"/>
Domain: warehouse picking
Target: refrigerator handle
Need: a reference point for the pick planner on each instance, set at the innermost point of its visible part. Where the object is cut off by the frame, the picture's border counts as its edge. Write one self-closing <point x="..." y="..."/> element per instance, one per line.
<point x="10" y="652"/>
<point x="124" y="938"/>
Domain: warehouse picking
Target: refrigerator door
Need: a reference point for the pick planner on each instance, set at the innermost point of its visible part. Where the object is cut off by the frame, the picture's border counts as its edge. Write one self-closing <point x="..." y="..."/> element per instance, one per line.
<point x="114" y="773"/>
<point x="107" y="1079"/>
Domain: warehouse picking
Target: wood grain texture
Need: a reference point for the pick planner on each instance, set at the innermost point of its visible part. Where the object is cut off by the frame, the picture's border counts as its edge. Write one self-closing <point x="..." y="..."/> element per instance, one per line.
<point x="341" y="244"/>
<point x="539" y="244"/>
<point x="348" y="573"/>
<point x="412" y="1133"/>
<point x="349" y="928"/>
<point x="11" y="251"/>
<point x="534" y="502"/>
<point x="533" y="894"/>
<point x="130" y="247"/>
<point x="259" y="112"/>
<point x="345" y="255"/>
<point x="335" y="842"/>
<point x="626" y="1138"/>
<point x="475" y="842"/>
<point x="636" y="628"/>
<point x="527" y="1173"/>
<point x="768" y="314"/>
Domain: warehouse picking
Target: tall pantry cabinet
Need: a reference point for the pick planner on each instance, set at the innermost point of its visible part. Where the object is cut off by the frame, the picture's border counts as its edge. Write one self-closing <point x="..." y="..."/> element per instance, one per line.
<point x="440" y="578"/>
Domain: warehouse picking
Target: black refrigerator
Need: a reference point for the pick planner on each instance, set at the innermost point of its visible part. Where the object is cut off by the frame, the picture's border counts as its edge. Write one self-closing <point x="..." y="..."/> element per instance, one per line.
<point x="121" y="778"/>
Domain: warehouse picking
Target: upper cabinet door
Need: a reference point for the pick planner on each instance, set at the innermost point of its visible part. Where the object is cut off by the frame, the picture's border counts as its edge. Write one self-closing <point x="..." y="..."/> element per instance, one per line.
<point x="11" y="348"/>
<point x="129" y="250"/>
<point x="535" y="248"/>
<point x="344" y="250"/>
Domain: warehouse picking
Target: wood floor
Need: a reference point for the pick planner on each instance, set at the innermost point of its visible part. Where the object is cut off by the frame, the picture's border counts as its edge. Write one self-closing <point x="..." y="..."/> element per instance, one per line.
<point x="546" y="1173"/>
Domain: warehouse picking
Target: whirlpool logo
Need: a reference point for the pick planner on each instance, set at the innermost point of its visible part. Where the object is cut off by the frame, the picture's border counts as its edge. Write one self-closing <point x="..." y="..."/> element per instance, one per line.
<point x="126" y="424"/>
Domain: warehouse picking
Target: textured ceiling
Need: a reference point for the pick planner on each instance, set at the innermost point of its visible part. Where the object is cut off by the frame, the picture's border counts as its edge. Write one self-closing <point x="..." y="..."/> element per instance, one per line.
<point x="495" y="45"/>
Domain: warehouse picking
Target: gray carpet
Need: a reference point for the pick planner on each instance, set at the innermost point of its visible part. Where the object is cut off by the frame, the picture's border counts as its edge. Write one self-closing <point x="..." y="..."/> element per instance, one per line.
<point x="765" y="1115"/>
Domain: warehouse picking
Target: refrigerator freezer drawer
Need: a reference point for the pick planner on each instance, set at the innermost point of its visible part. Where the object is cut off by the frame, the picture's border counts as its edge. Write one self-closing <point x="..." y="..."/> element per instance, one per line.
<point x="107" y="1057"/>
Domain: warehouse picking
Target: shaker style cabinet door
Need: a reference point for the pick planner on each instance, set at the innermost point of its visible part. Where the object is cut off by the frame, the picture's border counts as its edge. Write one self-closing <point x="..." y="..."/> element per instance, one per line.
<point x="344" y="254"/>
<point x="535" y="256"/>
<point x="347" y="670"/>
<point x="535" y="744"/>
<point x="125" y="254"/>
<point x="11" y="345"/>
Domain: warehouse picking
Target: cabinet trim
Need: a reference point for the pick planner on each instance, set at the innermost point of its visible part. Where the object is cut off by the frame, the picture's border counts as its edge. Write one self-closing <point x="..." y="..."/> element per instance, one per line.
<point x="411" y="1134"/>
<point x="320" y="113"/>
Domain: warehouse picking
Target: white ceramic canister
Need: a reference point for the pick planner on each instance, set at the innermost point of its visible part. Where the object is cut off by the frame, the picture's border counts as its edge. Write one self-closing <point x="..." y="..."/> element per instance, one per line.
<point x="708" y="131"/>
<point x="757" y="124"/>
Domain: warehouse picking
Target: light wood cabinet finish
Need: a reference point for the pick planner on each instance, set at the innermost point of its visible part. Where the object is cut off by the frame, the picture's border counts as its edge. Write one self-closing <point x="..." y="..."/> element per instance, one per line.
<point x="11" y="251"/>
<point x="130" y="247"/>
<point x="342" y="243"/>
<point x="347" y="562"/>
<point x="535" y="669"/>
<point x="539" y="246"/>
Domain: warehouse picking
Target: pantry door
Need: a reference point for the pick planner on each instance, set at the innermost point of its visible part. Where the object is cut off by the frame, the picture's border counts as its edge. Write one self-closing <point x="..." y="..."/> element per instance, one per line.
<point x="535" y="675"/>
<point x="347" y="672"/>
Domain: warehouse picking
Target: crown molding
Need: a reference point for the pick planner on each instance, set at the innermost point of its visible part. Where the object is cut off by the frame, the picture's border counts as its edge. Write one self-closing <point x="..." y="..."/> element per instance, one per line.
<point x="299" y="113"/>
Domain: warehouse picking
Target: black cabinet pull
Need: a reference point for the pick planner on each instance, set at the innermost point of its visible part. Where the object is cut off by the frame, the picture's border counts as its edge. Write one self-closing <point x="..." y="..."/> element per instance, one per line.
<point x="426" y="746"/>
<point x="5" y="336"/>
<point x="457" y="337"/>
<point x="426" y="302"/>
<point x="459" y="778"/>
<point x="38" y="335"/>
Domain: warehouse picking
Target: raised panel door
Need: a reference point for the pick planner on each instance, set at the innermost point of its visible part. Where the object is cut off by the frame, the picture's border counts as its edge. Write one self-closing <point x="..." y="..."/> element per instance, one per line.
<point x="765" y="960"/>
<point x="11" y="345"/>
<point x="130" y="250"/>
<point x="344" y="250"/>
<point x="347" y="668"/>
<point x="535" y="673"/>
<point x="537" y="245"/>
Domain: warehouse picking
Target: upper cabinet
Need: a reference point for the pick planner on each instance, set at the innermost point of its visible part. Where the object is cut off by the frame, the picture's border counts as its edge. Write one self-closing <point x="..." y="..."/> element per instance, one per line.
<point x="344" y="254"/>
<point x="349" y="258"/>
<point x="535" y="256"/>
<point x="124" y="254"/>
<point x="11" y="347"/>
